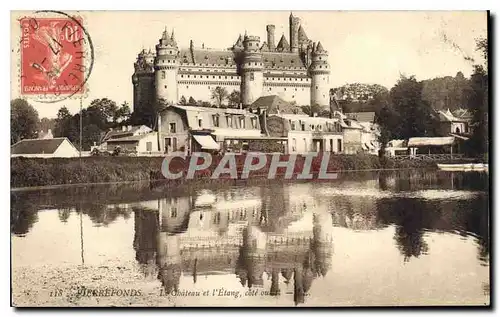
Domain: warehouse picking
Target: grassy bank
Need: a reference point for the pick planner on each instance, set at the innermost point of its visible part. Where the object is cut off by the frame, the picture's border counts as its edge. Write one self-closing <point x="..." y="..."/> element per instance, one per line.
<point x="29" y="172"/>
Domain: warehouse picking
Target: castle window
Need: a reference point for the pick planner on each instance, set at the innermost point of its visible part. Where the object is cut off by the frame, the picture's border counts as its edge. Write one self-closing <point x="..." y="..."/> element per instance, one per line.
<point x="294" y="145"/>
<point x="187" y="87"/>
<point x="194" y="76"/>
<point x="225" y="77"/>
<point x="207" y="76"/>
<point x="200" y="122"/>
<point x="293" y="96"/>
<point x="270" y="88"/>
<point x="252" y="76"/>
<point x="165" y="86"/>
<point x="189" y="76"/>
<point x="320" y="66"/>
<point x="182" y="76"/>
<point x="229" y="122"/>
<point x="303" y="126"/>
<point x="316" y="87"/>
<point x="231" y="77"/>
<point x="301" y="79"/>
<point x="284" y="89"/>
<point x="163" y="74"/>
<point x="320" y="58"/>
<point x="215" y="118"/>
<point x="295" y="89"/>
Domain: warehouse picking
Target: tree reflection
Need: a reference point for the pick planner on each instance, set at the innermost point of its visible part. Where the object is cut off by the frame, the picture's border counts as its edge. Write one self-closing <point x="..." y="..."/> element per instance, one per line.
<point x="23" y="214"/>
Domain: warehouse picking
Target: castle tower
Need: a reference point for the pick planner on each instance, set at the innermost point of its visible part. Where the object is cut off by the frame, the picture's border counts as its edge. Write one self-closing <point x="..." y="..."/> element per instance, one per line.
<point x="320" y="76"/>
<point x="270" y="37"/>
<point x="166" y="67"/>
<point x="252" y="77"/>
<point x="143" y="81"/>
<point x="294" y="24"/>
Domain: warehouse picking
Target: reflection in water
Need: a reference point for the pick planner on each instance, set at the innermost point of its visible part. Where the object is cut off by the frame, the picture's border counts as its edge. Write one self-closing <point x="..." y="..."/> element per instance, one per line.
<point x="282" y="233"/>
<point x="187" y="239"/>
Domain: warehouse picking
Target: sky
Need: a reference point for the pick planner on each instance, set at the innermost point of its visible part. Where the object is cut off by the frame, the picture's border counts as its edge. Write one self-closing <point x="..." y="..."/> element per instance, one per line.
<point x="372" y="47"/>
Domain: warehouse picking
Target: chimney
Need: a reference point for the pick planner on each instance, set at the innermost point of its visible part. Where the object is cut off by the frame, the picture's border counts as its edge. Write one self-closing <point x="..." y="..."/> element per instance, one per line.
<point x="270" y="37"/>
<point x="294" y="24"/>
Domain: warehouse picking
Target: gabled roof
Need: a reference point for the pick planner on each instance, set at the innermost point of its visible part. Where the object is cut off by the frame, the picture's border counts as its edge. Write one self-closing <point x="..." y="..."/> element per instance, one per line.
<point x="447" y="116"/>
<point x="205" y="56"/>
<point x="118" y="133"/>
<point x="37" y="146"/>
<point x="283" y="44"/>
<point x="132" y="138"/>
<point x="274" y="104"/>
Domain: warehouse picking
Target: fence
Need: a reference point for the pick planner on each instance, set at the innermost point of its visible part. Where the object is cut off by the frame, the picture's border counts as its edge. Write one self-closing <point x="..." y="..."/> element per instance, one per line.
<point x="431" y="157"/>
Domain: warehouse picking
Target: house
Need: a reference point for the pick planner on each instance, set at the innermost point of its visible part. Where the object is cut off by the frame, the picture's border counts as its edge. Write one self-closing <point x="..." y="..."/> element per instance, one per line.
<point x="396" y="147"/>
<point x="449" y="123"/>
<point x="307" y="134"/>
<point x="44" y="148"/>
<point x="125" y="131"/>
<point x="145" y="143"/>
<point x="45" y="135"/>
<point x="361" y="133"/>
<point x="188" y="128"/>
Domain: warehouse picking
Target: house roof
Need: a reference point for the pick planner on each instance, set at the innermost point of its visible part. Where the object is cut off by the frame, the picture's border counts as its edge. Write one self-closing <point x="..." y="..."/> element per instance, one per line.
<point x="119" y="133"/>
<point x="282" y="59"/>
<point x="132" y="138"/>
<point x="447" y="116"/>
<point x="38" y="146"/>
<point x="207" y="56"/>
<point x="462" y="113"/>
<point x="274" y="105"/>
<point x="368" y="116"/>
<point x="283" y="44"/>
<point x="396" y="143"/>
<point x="430" y="141"/>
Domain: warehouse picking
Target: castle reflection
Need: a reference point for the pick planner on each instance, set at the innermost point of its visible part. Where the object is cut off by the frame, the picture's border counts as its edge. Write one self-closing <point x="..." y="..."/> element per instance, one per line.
<point x="269" y="232"/>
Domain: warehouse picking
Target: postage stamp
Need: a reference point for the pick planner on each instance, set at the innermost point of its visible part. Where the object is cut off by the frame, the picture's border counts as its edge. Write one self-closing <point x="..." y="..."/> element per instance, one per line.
<point x="56" y="56"/>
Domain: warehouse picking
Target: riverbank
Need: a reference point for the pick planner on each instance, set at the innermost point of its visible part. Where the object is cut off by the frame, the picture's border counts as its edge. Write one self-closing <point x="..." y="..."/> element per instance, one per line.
<point x="36" y="172"/>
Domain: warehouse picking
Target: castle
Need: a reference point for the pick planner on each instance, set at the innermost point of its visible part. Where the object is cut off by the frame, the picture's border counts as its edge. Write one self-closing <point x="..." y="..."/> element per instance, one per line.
<point x="296" y="71"/>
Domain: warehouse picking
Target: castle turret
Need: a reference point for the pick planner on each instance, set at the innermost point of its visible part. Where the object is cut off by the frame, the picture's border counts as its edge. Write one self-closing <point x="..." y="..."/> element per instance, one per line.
<point x="320" y="76"/>
<point x="166" y="67"/>
<point x="270" y="37"/>
<point x="252" y="77"/>
<point x="294" y="33"/>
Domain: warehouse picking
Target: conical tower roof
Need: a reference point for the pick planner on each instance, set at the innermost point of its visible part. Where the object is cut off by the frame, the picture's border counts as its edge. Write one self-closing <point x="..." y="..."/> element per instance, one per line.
<point x="319" y="48"/>
<point x="283" y="44"/>
<point x="302" y="35"/>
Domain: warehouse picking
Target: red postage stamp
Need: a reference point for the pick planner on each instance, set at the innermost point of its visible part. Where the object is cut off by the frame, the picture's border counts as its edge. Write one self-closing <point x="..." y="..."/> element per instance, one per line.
<point x="53" y="56"/>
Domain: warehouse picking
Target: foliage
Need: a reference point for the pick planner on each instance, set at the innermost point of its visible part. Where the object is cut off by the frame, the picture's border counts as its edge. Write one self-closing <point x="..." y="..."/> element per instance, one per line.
<point x="219" y="95"/>
<point x="23" y="121"/>
<point x="183" y="101"/>
<point x="478" y="104"/>
<point x="234" y="99"/>
<point x="191" y="102"/>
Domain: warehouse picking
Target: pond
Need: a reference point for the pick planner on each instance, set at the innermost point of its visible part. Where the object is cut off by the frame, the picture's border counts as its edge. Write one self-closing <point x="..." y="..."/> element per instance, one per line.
<point x="365" y="239"/>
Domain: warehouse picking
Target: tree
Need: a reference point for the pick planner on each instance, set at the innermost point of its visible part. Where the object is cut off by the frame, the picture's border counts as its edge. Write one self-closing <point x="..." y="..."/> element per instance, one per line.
<point x="191" y="101"/>
<point x="234" y="99"/>
<point x="415" y="114"/>
<point x="183" y="101"/>
<point x="123" y="113"/>
<point x="63" y="125"/>
<point x="219" y="95"/>
<point x="23" y="121"/>
<point x="107" y="108"/>
<point x="478" y="103"/>
<point x="205" y="104"/>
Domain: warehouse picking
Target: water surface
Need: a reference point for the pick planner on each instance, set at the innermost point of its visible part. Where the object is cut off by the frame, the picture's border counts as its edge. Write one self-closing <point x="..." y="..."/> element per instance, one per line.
<point x="390" y="238"/>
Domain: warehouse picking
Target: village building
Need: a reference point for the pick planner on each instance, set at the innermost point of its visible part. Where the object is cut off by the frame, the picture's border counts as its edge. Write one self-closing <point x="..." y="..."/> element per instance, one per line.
<point x="195" y="129"/>
<point x="307" y="134"/>
<point x="44" y="148"/>
<point x="396" y="147"/>
<point x="141" y="140"/>
<point x="451" y="124"/>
